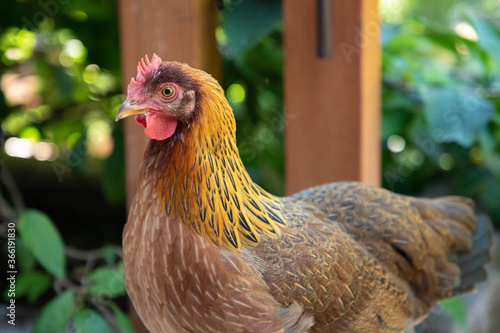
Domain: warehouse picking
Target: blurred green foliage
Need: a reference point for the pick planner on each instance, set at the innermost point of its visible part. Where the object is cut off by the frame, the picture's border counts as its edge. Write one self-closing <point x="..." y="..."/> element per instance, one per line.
<point x="441" y="89"/>
<point x="60" y="88"/>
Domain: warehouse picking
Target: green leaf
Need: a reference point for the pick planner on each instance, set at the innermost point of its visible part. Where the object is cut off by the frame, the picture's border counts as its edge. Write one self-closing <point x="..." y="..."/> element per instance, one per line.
<point x="246" y="22"/>
<point x="124" y="324"/>
<point x="454" y="115"/>
<point x="455" y="308"/>
<point x="25" y="259"/>
<point x="107" y="282"/>
<point x="56" y="314"/>
<point x="40" y="285"/>
<point x="89" y="321"/>
<point x="42" y="238"/>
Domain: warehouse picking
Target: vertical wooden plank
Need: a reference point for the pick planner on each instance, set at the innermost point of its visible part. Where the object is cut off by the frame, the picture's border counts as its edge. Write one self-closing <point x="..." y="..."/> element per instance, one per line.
<point x="332" y="105"/>
<point x="175" y="30"/>
<point x="371" y="94"/>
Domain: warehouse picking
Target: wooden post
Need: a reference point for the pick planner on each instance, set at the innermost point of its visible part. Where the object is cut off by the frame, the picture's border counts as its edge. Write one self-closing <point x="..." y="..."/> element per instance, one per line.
<point x="332" y="103"/>
<point x="175" y="30"/>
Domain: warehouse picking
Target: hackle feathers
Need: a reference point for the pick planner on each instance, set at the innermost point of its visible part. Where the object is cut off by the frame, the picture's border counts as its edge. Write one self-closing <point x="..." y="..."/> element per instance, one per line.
<point x="202" y="179"/>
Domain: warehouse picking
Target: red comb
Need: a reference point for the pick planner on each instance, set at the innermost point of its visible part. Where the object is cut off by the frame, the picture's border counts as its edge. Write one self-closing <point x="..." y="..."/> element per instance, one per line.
<point x="143" y="67"/>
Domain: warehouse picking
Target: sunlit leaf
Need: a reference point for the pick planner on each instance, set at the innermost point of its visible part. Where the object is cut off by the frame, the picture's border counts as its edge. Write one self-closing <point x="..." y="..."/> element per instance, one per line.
<point x="30" y="132"/>
<point x="17" y="44"/>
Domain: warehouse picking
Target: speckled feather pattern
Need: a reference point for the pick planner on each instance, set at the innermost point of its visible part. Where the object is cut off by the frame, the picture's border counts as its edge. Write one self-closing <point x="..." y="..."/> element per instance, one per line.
<point x="207" y="250"/>
<point x="180" y="282"/>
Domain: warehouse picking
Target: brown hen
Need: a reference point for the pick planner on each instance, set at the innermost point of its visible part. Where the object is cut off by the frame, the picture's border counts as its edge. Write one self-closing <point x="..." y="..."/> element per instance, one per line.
<point x="208" y="250"/>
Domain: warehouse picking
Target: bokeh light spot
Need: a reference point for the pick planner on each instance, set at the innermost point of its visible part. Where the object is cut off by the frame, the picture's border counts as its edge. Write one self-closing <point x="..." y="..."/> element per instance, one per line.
<point x="396" y="143"/>
<point x="16" y="147"/>
<point x="236" y="93"/>
<point x="467" y="31"/>
<point x="75" y="49"/>
<point x="446" y="161"/>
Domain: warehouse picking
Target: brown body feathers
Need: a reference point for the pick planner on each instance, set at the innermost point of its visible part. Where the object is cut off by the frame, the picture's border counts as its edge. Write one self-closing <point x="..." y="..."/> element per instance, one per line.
<point x="207" y="250"/>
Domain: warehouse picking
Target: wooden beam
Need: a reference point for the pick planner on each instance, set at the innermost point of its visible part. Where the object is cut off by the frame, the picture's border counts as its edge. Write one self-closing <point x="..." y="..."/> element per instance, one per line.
<point x="175" y="30"/>
<point x="332" y="104"/>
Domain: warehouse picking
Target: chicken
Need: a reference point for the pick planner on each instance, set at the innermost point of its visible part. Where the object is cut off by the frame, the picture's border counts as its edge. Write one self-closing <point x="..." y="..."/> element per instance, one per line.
<point x="208" y="250"/>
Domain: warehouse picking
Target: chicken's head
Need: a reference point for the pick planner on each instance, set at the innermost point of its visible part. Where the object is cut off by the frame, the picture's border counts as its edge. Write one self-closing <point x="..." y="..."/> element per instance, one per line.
<point x="160" y="97"/>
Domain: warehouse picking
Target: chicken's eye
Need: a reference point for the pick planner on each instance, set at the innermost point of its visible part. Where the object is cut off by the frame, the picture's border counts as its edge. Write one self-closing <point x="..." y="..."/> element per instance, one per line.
<point x="168" y="91"/>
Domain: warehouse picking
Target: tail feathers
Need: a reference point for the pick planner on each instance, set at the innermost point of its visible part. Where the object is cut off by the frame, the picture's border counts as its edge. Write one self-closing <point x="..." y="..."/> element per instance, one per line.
<point x="472" y="264"/>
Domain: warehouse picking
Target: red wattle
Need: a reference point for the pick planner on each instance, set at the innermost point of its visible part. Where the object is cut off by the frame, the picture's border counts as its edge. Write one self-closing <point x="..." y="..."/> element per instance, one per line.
<point x="141" y="120"/>
<point x="159" y="127"/>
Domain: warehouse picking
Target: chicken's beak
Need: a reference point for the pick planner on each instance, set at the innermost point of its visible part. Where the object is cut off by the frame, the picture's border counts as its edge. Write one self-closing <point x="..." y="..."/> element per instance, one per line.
<point x="128" y="109"/>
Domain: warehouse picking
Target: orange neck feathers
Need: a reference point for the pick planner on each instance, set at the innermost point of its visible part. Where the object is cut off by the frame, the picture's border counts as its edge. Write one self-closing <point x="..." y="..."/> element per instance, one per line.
<point x="202" y="180"/>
